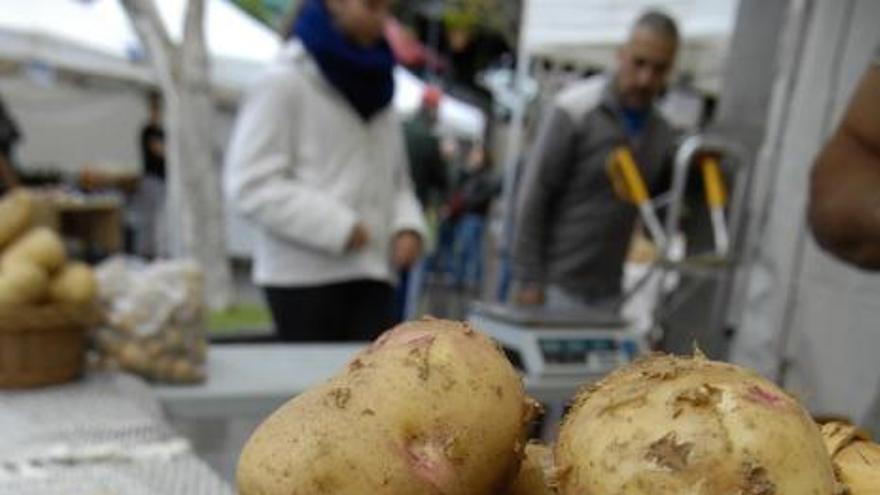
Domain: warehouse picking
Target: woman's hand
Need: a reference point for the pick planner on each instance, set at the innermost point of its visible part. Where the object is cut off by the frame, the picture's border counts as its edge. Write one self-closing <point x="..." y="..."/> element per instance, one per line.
<point x="530" y="296"/>
<point x="406" y="249"/>
<point x="358" y="238"/>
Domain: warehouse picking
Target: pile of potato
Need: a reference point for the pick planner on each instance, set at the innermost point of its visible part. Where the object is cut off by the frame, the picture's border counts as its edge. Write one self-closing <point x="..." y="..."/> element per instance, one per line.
<point x="154" y="323"/>
<point x="433" y="407"/>
<point x="34" y="269"/>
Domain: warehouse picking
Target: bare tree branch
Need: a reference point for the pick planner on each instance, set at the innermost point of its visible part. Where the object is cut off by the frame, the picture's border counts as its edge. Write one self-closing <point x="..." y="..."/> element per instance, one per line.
<point x="204" y="227"/>
<point x="148" y="24"/>
<point x="195" y="45"/>
<point x="194" y="198"/>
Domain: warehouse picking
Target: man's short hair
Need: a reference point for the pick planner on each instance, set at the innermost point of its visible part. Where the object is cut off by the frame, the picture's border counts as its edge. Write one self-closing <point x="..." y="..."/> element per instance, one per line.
<point x="659" y="22"/>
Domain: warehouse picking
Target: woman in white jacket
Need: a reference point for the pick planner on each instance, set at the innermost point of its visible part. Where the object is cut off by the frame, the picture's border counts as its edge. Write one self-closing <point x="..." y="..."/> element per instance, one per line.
<point x="317" y="162"/>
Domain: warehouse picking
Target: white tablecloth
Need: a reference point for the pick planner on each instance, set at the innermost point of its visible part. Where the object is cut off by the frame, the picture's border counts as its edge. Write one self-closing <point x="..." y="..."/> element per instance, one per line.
<point x="105" y="434"/>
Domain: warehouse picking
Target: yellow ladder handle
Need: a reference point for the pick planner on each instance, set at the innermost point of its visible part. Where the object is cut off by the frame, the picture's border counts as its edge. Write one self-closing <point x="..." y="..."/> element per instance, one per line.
<point x="624" y="172"/>
<point x="713" y="183"/>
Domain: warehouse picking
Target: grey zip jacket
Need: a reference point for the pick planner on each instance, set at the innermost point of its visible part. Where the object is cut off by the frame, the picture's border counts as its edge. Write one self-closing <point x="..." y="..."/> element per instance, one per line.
<point x="572" y="230"/>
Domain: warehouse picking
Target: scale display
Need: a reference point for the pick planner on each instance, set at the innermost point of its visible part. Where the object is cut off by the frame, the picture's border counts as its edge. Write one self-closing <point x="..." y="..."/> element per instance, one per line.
<point x="584" y="350"/>
<point x="568" y="346"/>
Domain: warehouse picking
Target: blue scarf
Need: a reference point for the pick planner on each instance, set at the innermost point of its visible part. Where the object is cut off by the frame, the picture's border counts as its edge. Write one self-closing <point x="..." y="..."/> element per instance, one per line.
<point x="634" y="121"/>
<point x="364" y="76"/>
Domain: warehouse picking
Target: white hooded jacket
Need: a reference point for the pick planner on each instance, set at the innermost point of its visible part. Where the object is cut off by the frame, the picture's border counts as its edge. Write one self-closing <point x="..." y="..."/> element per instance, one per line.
<point x="305" y="169"/>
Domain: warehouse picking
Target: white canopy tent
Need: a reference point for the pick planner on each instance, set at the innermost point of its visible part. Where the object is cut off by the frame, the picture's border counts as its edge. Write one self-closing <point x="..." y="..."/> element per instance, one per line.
<point x="589" y="31"/>
<point x="69" y="122"/>
<point x="95" y="37"/>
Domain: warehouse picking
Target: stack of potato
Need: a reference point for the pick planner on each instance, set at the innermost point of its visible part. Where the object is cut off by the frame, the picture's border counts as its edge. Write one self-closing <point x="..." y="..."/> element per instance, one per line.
<point x="154" y="320"/>
<point x="432" y="407"/>
<point x="34" y="269"/>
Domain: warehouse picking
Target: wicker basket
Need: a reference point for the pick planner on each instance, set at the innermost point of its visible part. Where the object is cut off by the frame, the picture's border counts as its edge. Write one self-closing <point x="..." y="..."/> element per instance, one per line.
<point x="42" y="345"/>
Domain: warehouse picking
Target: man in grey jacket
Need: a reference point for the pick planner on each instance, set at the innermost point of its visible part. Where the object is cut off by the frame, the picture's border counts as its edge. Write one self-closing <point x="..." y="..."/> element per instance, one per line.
<point x="572" y="231"/>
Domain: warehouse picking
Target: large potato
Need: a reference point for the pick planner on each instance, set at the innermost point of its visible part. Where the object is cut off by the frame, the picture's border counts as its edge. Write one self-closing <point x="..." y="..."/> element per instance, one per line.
<point x="22" y="283"/>
<point x="431" y="407"/>
<point x="856" y="458"/>
<point x="669" y="426"/>
<point x="74" y="284"/>
<point x="16" y="214"/>
<point x="41" y="246"/>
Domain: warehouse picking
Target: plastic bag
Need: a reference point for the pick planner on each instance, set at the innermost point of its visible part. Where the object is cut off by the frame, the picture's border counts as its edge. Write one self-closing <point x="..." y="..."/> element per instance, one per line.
<point x="154" y="319"/>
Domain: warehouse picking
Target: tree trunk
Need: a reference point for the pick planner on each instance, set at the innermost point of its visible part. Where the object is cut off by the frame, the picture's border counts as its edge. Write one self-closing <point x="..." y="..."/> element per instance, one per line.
<point x="196" y="225"/>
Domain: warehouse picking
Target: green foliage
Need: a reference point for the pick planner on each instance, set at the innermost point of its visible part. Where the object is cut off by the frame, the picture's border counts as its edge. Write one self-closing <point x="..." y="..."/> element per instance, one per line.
<point x="269" y="12"/>
<point x="500" y="16"/>
<point x="244" y="318"/>
<point x="257" y="9"/>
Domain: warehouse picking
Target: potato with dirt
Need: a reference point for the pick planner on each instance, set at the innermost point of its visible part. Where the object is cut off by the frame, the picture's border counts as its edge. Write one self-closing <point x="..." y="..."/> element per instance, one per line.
<point x="536" y="472"/>
<point x="669" y="425"/>
<point x="432" y="407"/>
<point x="855" y="457"/>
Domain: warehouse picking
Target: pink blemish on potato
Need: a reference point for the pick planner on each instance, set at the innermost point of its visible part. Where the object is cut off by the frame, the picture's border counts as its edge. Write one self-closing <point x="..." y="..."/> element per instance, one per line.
<point x="417" y="338"/>
<point x="765" y="397"/>
<point x="429" y="462"/>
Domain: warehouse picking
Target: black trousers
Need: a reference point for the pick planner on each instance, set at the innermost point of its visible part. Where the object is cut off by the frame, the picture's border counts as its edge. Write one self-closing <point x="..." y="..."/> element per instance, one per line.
<point x="349" y="311"/>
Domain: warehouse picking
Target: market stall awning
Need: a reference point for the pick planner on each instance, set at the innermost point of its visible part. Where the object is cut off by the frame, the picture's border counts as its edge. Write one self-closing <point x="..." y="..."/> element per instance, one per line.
<point x="588" y="32"/>
<point x="95" y="36"/>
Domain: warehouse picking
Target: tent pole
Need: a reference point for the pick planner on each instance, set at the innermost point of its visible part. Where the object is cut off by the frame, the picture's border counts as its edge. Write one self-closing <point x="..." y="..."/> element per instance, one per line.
<point x="514" y="146"/>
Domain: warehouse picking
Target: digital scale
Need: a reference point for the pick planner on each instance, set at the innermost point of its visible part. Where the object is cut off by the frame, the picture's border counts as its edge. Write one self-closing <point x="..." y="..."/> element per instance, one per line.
<point x="560" y="351"/>
<point x="561" y="345"/>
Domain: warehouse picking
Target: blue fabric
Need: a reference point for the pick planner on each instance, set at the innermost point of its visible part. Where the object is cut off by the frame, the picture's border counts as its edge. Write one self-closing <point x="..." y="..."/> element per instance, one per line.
<point x="442" y="261"/>
<point x="634" y="121"/>
<point x="364" y="76"/>
<point x="469" y="259"/>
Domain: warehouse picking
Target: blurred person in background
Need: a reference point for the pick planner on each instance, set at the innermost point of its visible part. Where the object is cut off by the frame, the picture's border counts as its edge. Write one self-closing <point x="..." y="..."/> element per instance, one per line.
<point x="429" y="172"/>
<point x="844" y="209"/>
<point x="317" y="162"/>
<point x="572" y="231"/>
<point x="148" y="207"/>
<point x="476" y="187"/>
<point x="442" y="260"/>
<point x="10" y="135"/>
<point x="427" y="163"/>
